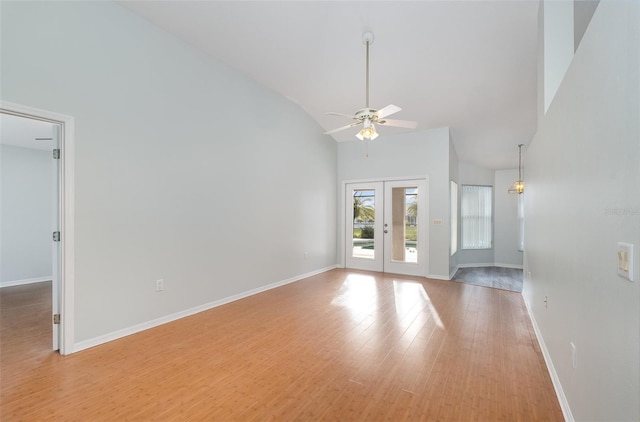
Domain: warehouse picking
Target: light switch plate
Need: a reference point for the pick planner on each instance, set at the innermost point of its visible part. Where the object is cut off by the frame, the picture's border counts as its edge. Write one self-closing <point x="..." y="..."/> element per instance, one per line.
<point x="625" y="260"/>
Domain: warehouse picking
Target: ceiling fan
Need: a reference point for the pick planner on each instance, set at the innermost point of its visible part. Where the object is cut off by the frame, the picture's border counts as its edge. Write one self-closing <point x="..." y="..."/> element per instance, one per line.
<point x="368" y="116"/>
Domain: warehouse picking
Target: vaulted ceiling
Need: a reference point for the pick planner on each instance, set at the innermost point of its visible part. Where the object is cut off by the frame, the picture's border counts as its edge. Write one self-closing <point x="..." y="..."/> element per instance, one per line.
<point x="468" y="65"/>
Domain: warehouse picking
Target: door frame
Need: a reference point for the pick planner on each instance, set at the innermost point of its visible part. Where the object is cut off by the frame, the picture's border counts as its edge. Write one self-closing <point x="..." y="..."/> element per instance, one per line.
<point x="342" y="223"/>
<point x="66" y="177"/>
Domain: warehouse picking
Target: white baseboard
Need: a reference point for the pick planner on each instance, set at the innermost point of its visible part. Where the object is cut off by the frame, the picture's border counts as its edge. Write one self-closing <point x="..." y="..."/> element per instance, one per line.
<point x="25" y="281"/>
<point x="178" y="315"/>
<point x="517" y="267"/>
<point x="438" y="277"/>
<point x="455" y="270"/>
<point x="564" y="404"/>
<point x="489" y="264"/>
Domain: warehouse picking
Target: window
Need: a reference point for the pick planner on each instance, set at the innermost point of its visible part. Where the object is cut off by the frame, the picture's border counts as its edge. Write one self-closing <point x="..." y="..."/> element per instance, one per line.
<point x="454" y="217"/>
<point x="476" y="217"/>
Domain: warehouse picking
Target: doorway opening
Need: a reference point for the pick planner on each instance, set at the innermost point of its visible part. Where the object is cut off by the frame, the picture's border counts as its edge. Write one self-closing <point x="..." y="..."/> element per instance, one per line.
<point x="37" y="150"/>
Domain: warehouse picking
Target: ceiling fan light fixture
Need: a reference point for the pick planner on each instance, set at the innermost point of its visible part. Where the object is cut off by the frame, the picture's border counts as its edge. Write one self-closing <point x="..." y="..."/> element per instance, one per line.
<point x="367" y="132"/>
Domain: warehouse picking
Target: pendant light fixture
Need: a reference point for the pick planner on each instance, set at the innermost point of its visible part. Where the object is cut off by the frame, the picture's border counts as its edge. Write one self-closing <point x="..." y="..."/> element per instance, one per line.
<point x="518" y="185"/>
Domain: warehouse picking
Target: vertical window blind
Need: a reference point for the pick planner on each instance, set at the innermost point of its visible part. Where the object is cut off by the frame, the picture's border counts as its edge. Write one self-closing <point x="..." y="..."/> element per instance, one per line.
<point x="476" y="217"/>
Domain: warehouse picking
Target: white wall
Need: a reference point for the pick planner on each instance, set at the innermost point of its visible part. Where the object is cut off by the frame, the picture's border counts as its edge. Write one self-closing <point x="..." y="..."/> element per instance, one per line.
<point x="453" y="175"/>
<point x="26" y="214"/>
<point x="559" y="45"/>
<point x="505" y="228"/>
<point x="423" y="153"/>
<point x="582" y="197"/>
<point x="185" y="170"/>
<point x="583" y="11"/>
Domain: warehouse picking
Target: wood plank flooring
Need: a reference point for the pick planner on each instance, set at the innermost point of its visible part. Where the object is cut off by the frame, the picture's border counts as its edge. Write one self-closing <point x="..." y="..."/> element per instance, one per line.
<point x="342" y="345"/>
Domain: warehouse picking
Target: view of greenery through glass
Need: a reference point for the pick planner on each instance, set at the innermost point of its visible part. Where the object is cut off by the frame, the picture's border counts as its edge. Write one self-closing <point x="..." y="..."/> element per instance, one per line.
<point x="364" y="217"/>
<point x="364" y="220"/>
<point x="364" y="214"/>
<point x="411" y="226"/>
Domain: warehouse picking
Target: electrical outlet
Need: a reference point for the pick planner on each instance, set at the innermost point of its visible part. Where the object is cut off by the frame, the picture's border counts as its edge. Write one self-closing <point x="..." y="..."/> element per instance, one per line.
<point x="159" y="285"/>
<point x="574" y="359"/>
<point x="306" y="255"/>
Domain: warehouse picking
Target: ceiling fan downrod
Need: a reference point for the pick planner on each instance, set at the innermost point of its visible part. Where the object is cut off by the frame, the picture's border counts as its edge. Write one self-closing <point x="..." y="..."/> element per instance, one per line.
<point x="367" y="39"/>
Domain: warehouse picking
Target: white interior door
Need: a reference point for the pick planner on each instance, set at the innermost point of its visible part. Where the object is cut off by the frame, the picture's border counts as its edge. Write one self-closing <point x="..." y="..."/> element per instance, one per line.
<point x="386" y="226"/>
<point x="56" y="227"/>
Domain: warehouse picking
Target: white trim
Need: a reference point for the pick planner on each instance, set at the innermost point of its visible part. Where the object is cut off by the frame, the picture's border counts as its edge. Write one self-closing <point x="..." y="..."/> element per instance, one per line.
<point x="488" y="264"/>
<point x="67" y="201"/>
<point x="25" y="281"/>
<point x="453" y="273"/>
<point x="438" y="277"/>
<point x="342" y="227"/>
<point x="96" y="341"/>
<point x="555" y="380"/>
<point x="517" y="267"/>
<point x="385" y="179"/>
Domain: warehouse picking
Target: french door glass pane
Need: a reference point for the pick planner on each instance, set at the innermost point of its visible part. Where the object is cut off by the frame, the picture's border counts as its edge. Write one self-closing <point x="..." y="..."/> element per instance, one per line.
<point x="364" y="217"/>
<point x="405" y="224"/>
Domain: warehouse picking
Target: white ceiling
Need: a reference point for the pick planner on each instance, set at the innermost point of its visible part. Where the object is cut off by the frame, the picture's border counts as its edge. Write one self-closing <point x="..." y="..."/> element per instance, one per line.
<point x="25" y="133"/>
<point x="469" y="65"/>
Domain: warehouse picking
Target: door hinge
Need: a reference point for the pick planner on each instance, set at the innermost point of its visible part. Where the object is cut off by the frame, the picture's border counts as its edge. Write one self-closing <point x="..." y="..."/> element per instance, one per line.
<point x="56" y="154"/>
<point x="56" y="236"/>
<point x="56" y="318"/>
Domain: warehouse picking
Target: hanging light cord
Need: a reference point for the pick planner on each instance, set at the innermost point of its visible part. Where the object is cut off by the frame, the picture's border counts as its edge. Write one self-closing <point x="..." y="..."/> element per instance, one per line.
<point x="520" y="162"/>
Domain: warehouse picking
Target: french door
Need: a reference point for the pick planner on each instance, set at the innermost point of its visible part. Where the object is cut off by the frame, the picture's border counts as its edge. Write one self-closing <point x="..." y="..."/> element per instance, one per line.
<point x="386" y="226"/>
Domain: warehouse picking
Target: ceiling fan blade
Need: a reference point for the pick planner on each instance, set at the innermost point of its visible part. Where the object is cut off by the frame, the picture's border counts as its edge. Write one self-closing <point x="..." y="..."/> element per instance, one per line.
<point x="398" y="123"/>
<point x="387" y="111"/>
<point x="332" y="113"/>
<point x="342" y="128"/>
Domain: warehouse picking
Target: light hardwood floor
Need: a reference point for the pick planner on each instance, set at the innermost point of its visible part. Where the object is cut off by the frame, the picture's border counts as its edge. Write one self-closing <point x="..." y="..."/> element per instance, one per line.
<point x="342" y="345"/>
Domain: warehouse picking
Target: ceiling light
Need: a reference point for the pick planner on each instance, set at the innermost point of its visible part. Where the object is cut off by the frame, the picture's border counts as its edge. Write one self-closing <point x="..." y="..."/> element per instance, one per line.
<point x="368" y="131"/>
<point x="518" y="185"/>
